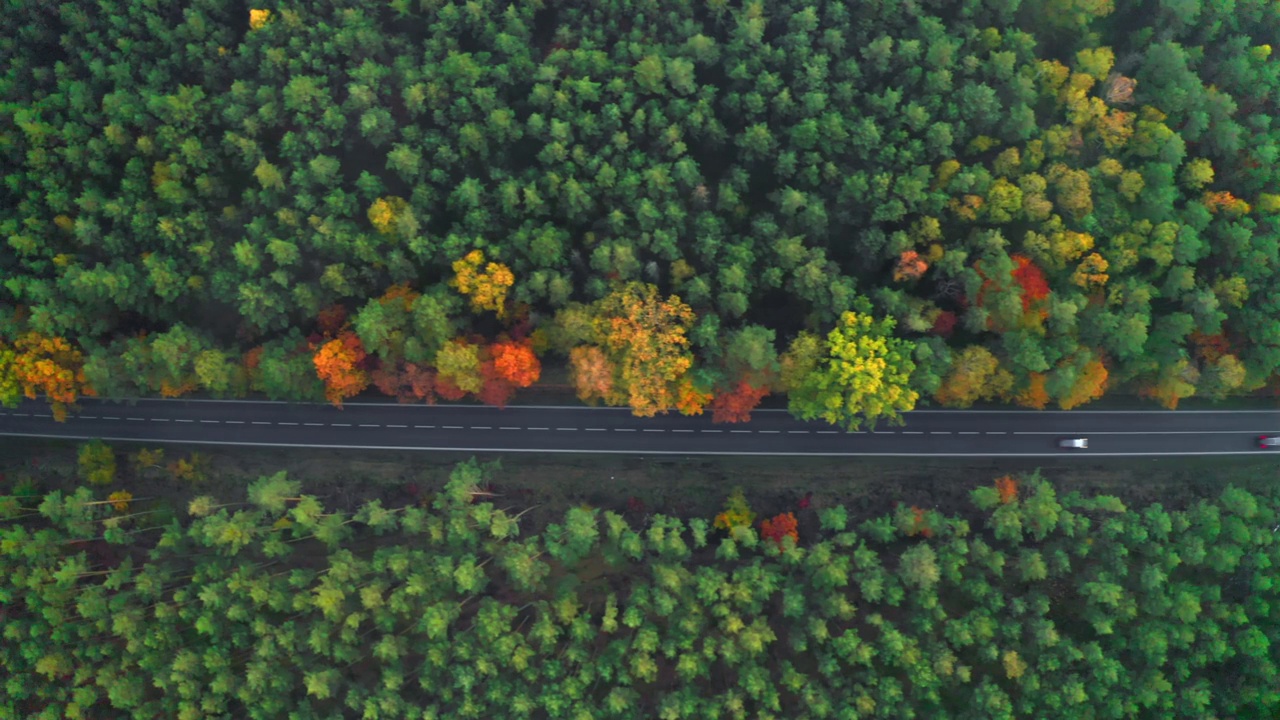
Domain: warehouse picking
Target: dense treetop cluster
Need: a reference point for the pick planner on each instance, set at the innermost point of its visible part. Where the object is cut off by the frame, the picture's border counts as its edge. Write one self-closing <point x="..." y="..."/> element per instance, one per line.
<point x="1029" y="605"/>
<point x="1027" y="201"/>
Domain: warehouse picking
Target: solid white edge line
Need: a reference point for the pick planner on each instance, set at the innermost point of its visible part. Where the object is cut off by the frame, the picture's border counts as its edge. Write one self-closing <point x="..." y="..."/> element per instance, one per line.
<point x="628" y="452"/>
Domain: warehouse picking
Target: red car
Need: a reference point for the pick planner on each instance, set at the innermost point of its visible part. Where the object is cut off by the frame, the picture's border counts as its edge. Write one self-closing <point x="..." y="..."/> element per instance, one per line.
<point x="1266" y="442"/>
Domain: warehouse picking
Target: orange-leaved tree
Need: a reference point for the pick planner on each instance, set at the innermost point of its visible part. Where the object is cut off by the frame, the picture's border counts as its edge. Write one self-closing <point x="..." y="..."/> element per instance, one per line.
<point x="910" y="266"/>
<point x="485" y="283"/>
<point x="516" y="362"/>
<point x="1034" y="395"/>
<point x="690" y="398"/>
<point x="38" y="364"/>
<point x="593" y="375"/>
<point x="1089" y="382"/>
<point x="735" y="406"/>
<point x="339" y="363"/>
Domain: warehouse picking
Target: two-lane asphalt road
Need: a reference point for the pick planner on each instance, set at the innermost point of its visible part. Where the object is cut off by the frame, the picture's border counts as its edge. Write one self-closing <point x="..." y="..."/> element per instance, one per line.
<point x="555" y="429"/>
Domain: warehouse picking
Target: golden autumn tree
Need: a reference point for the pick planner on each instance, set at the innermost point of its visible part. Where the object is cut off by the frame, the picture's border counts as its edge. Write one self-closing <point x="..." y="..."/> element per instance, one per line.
<point x="485" y="283"/>
<point x="1091" y="273"/>
<point x="49" y="366"/>
<point x="385" y="213"/>
<point x="975" y="375"/>
<point x="339" y="363"/>
<point x="646" y="337"/>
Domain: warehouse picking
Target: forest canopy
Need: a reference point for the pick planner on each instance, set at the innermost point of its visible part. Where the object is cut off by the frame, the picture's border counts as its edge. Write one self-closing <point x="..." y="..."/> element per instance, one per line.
<point x="1043" y="200"/>
<point x="1025" y="604"/>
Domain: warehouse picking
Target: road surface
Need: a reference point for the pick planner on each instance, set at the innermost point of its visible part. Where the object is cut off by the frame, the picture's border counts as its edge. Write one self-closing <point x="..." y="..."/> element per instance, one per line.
<point x="569" y="429"/>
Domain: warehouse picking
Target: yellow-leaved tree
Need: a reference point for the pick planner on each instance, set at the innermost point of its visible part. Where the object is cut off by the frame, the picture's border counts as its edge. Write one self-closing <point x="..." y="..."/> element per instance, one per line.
<point x="865" y="374"/>
<point x="485" y="283"/>
<point x="646" y="338"/>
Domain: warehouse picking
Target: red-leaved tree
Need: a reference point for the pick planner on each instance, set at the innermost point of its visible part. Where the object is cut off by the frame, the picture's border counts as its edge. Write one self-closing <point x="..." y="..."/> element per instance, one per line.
<point x="778" y="527"/>
<point x="736" y="405"/>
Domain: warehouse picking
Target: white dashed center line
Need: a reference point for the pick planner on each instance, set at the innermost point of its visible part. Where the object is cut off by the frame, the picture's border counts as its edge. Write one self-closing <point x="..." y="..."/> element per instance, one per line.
<point x="568" y="429"/>
<point x="314" y="424"/>
<point x="653" y="430"/>
<point x="135" y="419"/>
<point x="212" y="422"/>
<point x="425" y="427"/>
<point x="509" y="427"/>
<point x="716" y="431"/>
<point x="236" y="422"/>
<point x="159" y="419"/>
<point x="624" y="429"/>
<point x="534" y="428"/>
<point x="398" y="426"/>
<point x="594" y="429"/>
<point x="261" y="422"/>
<point x="688" y="431"/>
<point x="369" y="425"/>
<point x="341" y="424"/>
<point x="481" y="427"/>
<point x="286" y="423"/>
<point x="797" y="432"/>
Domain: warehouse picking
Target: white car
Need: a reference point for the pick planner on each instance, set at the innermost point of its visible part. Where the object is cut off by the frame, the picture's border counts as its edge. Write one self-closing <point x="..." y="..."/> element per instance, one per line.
<point x="1074" y="443"/>
<point x="1268" y="441"/>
